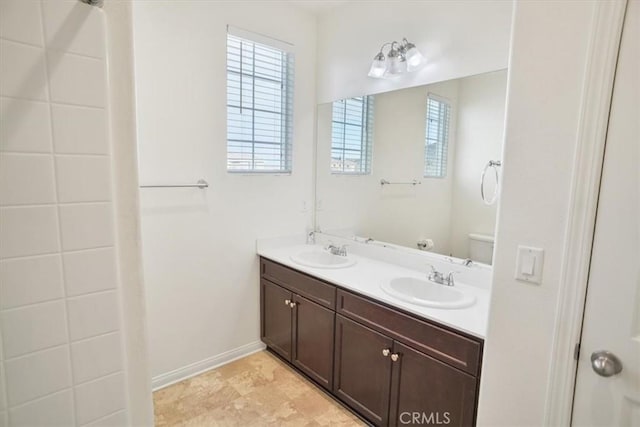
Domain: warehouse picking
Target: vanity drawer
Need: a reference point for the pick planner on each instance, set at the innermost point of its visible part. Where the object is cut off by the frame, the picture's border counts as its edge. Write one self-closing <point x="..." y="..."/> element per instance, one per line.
<point x="306" y="286"/>
<point x="449" y="347"/>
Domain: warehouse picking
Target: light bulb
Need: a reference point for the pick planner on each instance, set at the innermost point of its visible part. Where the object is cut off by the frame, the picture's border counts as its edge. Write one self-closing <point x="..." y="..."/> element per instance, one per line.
<point x="378" y="66"/>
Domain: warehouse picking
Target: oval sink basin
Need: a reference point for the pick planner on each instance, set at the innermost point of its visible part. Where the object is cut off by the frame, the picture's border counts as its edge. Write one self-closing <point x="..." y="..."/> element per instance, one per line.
<point x="426" y="293"/>
<point x="321" y="259"/>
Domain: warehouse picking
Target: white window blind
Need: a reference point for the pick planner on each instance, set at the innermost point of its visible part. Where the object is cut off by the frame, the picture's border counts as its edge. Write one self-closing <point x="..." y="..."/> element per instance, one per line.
<point x="259" y="107"/>
<point x="352" y="135"/>
<point x="437" y="137"/>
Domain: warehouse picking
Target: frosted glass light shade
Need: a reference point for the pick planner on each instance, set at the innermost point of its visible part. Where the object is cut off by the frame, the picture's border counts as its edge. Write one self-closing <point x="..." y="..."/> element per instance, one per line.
<point x="397" y="65"/>
<point x="378" y="66"/>
<point x="414" y="58"/>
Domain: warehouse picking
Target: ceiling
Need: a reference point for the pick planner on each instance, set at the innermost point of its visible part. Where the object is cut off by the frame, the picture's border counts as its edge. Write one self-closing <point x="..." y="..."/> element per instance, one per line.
<point x="318" y="6"/>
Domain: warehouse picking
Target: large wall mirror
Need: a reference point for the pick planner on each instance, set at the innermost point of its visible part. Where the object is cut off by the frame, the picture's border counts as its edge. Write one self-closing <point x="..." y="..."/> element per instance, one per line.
<point x="404" y="167"/>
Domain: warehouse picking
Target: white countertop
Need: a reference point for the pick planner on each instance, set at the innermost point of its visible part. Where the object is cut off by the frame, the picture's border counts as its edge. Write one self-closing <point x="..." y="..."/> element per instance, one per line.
<point x="366" y="276"/>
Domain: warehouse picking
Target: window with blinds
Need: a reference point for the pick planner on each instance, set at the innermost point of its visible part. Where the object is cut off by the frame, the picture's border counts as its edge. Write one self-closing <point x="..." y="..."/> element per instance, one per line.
<point x="259" y="107"/>
<point x="352" y="136"/>
<point x="437" y="137"/>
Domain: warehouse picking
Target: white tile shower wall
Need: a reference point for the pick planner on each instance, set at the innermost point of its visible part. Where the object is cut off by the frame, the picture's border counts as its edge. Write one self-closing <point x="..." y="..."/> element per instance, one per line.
<point x="60" y="348"/>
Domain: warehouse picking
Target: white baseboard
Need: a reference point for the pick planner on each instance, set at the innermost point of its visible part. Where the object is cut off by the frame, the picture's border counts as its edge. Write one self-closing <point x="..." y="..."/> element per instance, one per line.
<point x="180" y="374"/>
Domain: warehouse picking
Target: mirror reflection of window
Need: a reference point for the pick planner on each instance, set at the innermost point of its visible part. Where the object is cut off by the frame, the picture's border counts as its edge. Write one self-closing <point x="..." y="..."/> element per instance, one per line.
<point x="352" y="136"/>
<point x="437" y="137"/>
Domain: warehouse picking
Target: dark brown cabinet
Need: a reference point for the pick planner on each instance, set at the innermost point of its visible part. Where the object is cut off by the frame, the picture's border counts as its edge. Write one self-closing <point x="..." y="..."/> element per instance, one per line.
<point x="392" y="384"/>
<point x="362" y="371"/>
<point x="298" y="329"/>
<point x="425" y="391"/>
<point x="387" y="365"/>
<point x="276" y="318"/>
<point x="313" y="327"/>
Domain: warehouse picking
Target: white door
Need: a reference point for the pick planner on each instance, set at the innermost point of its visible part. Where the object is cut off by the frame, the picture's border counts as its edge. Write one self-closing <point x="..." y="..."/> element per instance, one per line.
<point x="612" y="311"/>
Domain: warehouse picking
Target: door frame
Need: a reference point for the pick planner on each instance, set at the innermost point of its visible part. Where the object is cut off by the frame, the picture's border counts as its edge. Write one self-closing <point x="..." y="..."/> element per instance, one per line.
<point x="597" y="91"/>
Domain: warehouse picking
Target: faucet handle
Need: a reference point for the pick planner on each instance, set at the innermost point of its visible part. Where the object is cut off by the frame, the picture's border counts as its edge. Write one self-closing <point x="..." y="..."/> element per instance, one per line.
<point x="434" y="274"/>
<point x="450" y="280"/>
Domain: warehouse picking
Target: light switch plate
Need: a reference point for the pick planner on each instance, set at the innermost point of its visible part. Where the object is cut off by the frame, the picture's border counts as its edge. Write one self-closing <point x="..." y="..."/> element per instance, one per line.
<point x="529" y="264"/>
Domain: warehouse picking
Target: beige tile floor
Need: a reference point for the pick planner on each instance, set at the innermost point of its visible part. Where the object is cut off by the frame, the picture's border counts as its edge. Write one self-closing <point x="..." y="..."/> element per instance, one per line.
<point x="258" y="390"/>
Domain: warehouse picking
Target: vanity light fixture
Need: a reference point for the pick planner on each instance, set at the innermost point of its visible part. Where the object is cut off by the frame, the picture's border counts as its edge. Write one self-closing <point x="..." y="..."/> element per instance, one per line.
<point x="400" y="58"/>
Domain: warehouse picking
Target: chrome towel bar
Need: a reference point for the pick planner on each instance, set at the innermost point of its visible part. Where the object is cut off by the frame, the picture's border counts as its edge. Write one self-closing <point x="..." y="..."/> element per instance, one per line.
<point x="201" y="184"/>
<point x="384" y="182"/>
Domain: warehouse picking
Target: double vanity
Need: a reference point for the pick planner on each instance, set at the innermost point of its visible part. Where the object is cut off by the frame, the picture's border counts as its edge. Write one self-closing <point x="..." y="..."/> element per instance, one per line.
<point x="380" y="310"/>
<point x="372" y="330"/>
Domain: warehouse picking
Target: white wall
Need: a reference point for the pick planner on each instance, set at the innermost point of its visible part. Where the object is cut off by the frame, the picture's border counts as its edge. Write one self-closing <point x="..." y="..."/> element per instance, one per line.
<point x="458" y="38"/>
<point x="479" y="138"/>
<point x="61" y="335"/>
<point x="545" y="89"/>
<point x="201" y="270"/>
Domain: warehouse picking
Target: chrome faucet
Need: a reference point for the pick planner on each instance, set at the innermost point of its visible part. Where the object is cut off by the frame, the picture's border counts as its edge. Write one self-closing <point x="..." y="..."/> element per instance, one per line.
<point x="439" y="278"/>
<point x="311" y="238"/>
<point x="337" y="250"/>
<point x="467" y="262"/>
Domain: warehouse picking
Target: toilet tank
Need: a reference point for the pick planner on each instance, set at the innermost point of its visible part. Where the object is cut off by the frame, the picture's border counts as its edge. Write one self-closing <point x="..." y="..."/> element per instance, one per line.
<point x="481" y="248"/>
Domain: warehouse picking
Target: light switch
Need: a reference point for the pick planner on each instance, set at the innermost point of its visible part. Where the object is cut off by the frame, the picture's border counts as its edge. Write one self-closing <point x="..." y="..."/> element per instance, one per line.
<point x="529" y="264"/>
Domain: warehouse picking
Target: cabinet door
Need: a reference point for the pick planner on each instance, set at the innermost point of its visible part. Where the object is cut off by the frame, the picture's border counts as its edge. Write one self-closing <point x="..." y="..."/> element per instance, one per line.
<point x="426" y="391"/>
<point x="362" y="372"/>
<point x="313" y="327"/>
<point x="276" y="318"/>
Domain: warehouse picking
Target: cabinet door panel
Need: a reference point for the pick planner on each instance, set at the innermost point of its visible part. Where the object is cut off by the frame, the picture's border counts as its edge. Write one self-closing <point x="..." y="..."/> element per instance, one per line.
<point x="276" y="318"/>
<point x="426" y="391"/>
<point x="362" y="373"/>
<point x="313" y="329"/>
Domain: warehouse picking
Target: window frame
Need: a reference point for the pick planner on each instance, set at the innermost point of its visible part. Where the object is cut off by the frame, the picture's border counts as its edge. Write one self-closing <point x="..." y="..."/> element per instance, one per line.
<point x="444" y="151"/>
<point x="366" y="139"/>
<point x="286" y="110"/>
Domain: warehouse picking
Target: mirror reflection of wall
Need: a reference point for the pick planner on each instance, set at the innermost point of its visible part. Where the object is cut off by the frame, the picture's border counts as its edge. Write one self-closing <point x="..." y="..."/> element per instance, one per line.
<point x="440" y="135"/>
